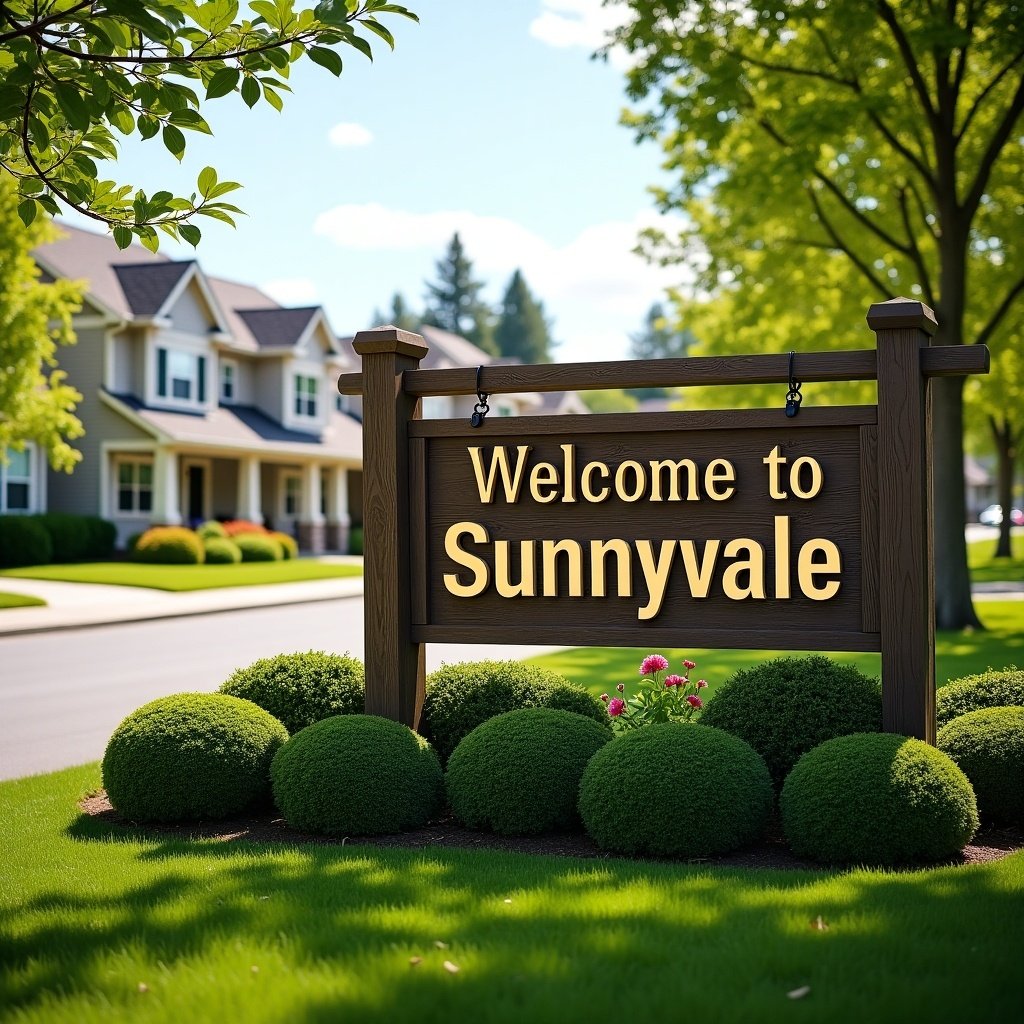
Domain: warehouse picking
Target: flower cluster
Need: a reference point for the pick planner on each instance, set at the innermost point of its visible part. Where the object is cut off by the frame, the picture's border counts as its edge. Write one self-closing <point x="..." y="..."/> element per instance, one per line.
<point x="676" y="698"/>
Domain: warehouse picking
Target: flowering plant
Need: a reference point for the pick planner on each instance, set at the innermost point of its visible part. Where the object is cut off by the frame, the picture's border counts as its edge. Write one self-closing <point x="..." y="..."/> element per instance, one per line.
<point x="676" y="698"/>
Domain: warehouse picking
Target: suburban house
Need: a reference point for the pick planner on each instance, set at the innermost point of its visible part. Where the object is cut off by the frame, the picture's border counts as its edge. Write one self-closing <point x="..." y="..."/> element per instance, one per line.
<point x="204" y="398"/>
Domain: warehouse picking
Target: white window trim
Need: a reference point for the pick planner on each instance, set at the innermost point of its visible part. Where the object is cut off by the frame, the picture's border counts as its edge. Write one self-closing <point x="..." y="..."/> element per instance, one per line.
<point x="136" y="458"/>
<point x="302" y="414"/>
<point x="33" y="480"/>
<point x="283" y="476"/>
<point x="188" y="345"/>
<point x="232" y="365"/>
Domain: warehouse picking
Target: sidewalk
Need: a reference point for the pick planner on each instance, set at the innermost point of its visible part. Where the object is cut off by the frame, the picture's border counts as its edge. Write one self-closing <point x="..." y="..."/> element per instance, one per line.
<point x="74" y="605"/>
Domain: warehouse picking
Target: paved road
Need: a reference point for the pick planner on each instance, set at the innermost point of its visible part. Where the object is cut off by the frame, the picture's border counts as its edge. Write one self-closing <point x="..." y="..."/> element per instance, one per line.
<point x="62" y="694"/>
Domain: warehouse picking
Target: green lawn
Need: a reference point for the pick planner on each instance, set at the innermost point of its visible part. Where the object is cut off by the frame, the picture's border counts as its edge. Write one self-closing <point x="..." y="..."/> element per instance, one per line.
<point x="188" y="577"/>
<point x="986" y="569"/>
<point x="19" y="601"/>
<point x="98" y="927"/>
<point x="956" y="654"/>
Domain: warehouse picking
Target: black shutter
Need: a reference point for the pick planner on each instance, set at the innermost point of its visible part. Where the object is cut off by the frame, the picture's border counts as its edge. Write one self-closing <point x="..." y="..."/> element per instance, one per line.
<point x="161" y="372"/>
<point x="202" y="379"/>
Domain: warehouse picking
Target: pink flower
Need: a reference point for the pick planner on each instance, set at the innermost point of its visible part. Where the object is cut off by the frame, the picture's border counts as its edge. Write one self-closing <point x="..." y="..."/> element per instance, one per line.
<point x="620" y="687"/>
<point x="701" y="683"/>
<point x="675" y="681"/>
<point x="687" y="664"/>
<point x="616" y="707"/>
<point x="694" y="701"/>
<point x="604" y="697"/>
<point x="653" y="663"/>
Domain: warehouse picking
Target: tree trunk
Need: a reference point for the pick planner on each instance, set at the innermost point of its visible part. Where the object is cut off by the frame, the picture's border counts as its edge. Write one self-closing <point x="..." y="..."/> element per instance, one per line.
<point x="1006" y="456"/>
<point x="953" y="606"/>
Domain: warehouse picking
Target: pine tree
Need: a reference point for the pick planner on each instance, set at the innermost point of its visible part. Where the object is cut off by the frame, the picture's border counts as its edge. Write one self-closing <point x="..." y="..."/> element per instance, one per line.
<point x="657" y="340"/>
<point x="523" y="331"/>
<point x="401" y="315"/>
<point x="454" y="303"/>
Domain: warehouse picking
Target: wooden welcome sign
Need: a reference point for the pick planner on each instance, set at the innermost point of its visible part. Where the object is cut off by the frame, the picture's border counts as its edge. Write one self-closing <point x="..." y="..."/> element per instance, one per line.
<point x="735" y="529"/>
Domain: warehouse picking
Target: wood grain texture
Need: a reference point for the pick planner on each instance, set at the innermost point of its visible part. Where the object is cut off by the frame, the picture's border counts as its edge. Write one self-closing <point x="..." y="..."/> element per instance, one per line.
<point x="869" y="528"/>
<point x="418" y="528"/>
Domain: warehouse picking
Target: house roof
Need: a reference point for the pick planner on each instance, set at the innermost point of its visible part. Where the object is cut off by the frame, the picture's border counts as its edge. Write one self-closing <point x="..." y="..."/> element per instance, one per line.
<point x="147" y="286"/>
<point x="557" y="403"/>
<point x="277" y="328"/>
<point x="447" y="349"/>
<point x="244" y="427"/>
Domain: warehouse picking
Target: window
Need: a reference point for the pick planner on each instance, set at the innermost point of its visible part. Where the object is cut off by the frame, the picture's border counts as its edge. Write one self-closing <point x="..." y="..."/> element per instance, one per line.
<point x="437" y="407"/>
<point x="16" y="480"/>
<point x="305" y="395"/>
<point x="181" y="376"/>
<point x="292" y="495"/>
<point x="134" y="486"/>
<point x="228" y="373"/>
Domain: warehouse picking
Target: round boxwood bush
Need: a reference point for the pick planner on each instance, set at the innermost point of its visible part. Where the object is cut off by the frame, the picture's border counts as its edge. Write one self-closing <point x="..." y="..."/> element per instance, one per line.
<point x="785" y="707"/>
<point x="460" y="697"/>
<point x="303" y="688"/>
<point x="221" y="551"/>
<point x="520" y="772"/>
<point x="357" y="775"/>
<point x="192" y="755"/>
<point x="210" y="529"/>
<point x="681" y="790"/>
<point x="23" y="541"/>
<point x="258" y="547"/>
<point x="289" y="545"/>
<point x="877" y="798"/>
<point x="996" y="688"/>
<point x="169" y="545"/>
<point x="988" y="745"/>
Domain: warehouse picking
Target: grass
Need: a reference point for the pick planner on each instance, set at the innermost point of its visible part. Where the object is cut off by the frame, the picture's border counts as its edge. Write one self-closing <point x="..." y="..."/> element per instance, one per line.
<point x="986" y="569"/>
<point x="956" y="654"/>
<point x="19" y="601"/>
<point x="97" y="926"/>
<point x="188" y="577"/>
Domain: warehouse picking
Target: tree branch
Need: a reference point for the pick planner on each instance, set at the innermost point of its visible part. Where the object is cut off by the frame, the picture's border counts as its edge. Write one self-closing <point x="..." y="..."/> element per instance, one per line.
<point x="1000" y="311"/>
<point x="984" y="94"/>
<point x="37" y="26"/>
<point x="843" y="247"/>
<point x="886" y="13"/>
<point x="915" y="253"/>
<point x="189" y="58"/>
<point x="992" y="151"/>
<point x="859" y="215"/>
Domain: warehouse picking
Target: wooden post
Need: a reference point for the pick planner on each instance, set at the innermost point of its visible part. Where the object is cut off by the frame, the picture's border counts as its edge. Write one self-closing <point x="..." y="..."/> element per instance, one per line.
<point x="394" y="664"/>
<point x="907" y="582"/>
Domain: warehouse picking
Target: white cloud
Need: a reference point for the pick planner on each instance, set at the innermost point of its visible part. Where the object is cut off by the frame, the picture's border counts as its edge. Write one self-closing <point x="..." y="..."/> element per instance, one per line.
<point x="292" y="291"/>
<point x="349" y="134"/>
<point x="584" y="24"/>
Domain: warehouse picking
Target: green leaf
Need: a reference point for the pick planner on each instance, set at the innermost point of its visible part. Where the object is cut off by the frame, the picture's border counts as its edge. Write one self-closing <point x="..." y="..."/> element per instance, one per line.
<point x="122" y="236"/>
<point x="206" y="181"/>
<point x="148" y="126"/>
<point x="27" y="211"/>
<point x="39" y="132"/>
<point x="174" y="141"/>
<point x="272" y="98"/>
<point x="191" y="234"/>
<point x="223" y="82"/>
<point x="223" y="188"/>
<point x="326" y="59"/>
<point x="72" y="106"/>
<point x="190" y="119"/>
<point x="379" y="30"/>
<point x="150" y="240"/>
<point x="360" y="44"/>
<point x="250" y="91"/>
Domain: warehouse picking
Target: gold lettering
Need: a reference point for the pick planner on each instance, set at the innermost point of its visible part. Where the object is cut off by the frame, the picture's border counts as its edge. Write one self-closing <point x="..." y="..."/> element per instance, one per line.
<point x="569" y="475"/>
<point x="527" y="585"/>
<point x="543" y="475"/>
<point x="808" y="568"/>
<point x="698" y="578"/>
<point x="499" y="464"/>
<point x="599" y="549"/>
<point x="574" y="553"/>
<point x="817" y="477"/>
<point x="782" y="557"/>
<point x="752" y="565"/>
<point x="481" y="571"/>
<point x="719" y="471"/>
<point x="639" y="481"/>
<point x="675" y="473"/>
<point x="588" y="471"/>
<point x="656" y="574"/>
<point x="774" y="461"/>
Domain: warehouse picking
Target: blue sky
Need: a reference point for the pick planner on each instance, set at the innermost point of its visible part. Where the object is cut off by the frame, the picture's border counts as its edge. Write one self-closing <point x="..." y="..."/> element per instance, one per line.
<point x="488" y="118"/>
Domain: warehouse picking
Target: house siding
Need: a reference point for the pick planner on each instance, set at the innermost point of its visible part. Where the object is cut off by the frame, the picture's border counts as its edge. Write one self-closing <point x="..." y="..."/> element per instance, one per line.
<point x="270" y="389"/>
<point x="225" y="488"/>
<point x="189" y="314"/>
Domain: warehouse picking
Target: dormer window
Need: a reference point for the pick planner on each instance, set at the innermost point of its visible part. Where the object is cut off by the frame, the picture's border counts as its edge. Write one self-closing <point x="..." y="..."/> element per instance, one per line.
<point x="305" y="396"/>
<point x="228" y="379"/>
<point x="181" y="376"/>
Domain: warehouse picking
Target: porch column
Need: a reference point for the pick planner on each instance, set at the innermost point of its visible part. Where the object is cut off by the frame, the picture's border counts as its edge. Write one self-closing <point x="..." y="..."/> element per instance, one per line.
<point x="338" y="520"/>
<point x="166" y="503"/>
<point x="311" y="526"/>
<point x="250" y="504"/>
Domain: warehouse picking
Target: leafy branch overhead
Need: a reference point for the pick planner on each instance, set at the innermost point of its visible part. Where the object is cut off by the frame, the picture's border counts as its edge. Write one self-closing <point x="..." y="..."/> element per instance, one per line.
<point x="77" y="74"/>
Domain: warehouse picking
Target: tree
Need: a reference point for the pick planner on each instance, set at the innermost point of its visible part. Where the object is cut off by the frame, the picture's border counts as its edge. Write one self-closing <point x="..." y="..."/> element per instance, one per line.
<point x="400" y="316"/>
<point x="523" y="332"/>
<point x="35" y="317"/>
<point x="453" y="302"/>
<point x="879" y="135"/>
<point x="658" y="339"/>
<point x="75" y="72"/>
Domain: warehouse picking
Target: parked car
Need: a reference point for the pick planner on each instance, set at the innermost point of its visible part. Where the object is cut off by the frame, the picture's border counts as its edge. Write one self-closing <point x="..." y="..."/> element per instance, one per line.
<point x="993" y="516"/>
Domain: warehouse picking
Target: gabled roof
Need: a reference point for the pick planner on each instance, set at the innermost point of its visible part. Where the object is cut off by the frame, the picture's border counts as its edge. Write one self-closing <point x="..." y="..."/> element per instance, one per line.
<point x="447" y="349"/>
<point x="147" y="286"/>
<point x="277" y="328"/>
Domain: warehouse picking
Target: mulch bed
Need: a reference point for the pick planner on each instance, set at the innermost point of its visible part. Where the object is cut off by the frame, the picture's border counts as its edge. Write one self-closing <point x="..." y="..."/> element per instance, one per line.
<point x="771" y="852"/>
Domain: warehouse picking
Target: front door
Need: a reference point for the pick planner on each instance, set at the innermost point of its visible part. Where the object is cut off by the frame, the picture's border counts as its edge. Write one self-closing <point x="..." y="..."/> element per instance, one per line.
<point x="194" y="496"/>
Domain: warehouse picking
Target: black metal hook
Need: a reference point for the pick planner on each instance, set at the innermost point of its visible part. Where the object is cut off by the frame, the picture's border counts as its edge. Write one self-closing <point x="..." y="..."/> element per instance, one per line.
<point x="793" y="396"/>
<point x="481" y="409"/>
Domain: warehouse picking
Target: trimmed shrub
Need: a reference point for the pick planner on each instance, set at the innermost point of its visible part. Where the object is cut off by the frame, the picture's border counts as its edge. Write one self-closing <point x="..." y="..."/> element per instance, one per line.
<point x="355" y="540"/>
<point x="233" y="527"/>
<point x="23" y="541"/>
<point x="520" y="772"/>
<point x="210" y="529"/>
<point x="78" y="538"/>
<point x="676" y="789"/>
<point x="996" y="688"/>
<point x="988" y="745"/>
<point x="192" y="755"/>
<point x="879" y="799"/>
<point x="258" y="547"/>
<point x="303" y="688"/>
<point x="289" y="545"/>
<point x="785" y="707"/>
<point x="169" y="545"/>
<point x="221" y="551"/>
<point x="133" y="542"/>
<point x="357" y="775"/>
<point x="460" y="697"/>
